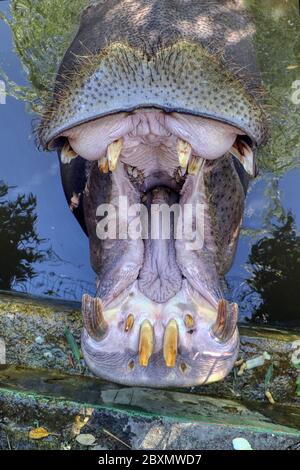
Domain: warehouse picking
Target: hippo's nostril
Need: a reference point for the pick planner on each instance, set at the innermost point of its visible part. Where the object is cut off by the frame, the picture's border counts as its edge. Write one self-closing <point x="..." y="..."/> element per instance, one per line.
<point x="93" y="317"/>
<point x="171" y="343"/>
<point x="146" y="344"/>
<point x="129" y="323"/>
<point x="226" y="321"/>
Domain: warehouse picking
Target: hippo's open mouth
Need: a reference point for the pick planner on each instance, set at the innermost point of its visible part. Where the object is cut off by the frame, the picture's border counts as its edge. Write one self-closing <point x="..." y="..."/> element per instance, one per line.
<point x="173" y="129"/>
<point x="160" y="298"/>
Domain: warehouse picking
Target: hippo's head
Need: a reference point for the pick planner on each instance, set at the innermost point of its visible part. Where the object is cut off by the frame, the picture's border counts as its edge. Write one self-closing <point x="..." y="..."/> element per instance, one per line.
<point x="156" y="107"/>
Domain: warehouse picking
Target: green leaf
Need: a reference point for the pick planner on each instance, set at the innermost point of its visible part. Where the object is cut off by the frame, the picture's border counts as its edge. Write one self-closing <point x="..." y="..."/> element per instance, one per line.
<point x="268" y="375"/>
<point x="73" y="345"/>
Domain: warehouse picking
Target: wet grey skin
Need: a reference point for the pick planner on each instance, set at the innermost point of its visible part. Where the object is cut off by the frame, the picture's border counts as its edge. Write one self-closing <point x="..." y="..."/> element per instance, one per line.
<point x="159" y="317"/>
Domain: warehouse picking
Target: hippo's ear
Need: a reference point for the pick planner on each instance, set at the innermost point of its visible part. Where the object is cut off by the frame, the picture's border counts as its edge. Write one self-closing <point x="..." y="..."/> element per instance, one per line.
<point x="73" y="177"/>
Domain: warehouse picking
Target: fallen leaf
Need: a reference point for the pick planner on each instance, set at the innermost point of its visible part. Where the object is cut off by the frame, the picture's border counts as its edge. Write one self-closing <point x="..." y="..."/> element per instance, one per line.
<point x="239" y="443"/>
<point x="38" y="433"/>
<point x="79" y="423"/>
<point x="86" y="439"/>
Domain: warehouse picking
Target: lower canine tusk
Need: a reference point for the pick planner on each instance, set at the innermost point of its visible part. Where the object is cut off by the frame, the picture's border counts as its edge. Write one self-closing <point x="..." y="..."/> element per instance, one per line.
<point x="171" y="343"/>
<point x="93" y="318"/>
<point x="146" y="344"/>
<point x="226" y="321"/>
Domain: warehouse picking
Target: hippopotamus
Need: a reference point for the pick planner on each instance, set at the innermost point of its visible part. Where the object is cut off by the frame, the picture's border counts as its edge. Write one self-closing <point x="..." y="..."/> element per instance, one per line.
<point x="159" y="102"/>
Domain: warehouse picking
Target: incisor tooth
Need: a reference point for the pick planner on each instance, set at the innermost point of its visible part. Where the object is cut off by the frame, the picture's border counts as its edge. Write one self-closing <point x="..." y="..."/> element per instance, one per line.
<point x="103" y="165"/>
<point x="113" y="153"/>
<point x="129" y="322"/>
<point x="189" y="321"/>
<point x="184" y="151"/>
<point x="67" y="154"/>
<point x="195" y="165"/>
<point x="171" y="343"/>
<point x="146" y="343"/>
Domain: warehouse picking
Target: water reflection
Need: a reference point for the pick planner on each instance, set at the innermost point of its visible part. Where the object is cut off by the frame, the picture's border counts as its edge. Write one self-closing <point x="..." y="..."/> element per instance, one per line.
<point x="274" y="264"/>
<point x="19" y="242"/>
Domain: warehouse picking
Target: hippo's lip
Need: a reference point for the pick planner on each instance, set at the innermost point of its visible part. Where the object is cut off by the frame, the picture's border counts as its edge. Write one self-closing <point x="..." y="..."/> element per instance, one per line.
<point x="181" y="78"/>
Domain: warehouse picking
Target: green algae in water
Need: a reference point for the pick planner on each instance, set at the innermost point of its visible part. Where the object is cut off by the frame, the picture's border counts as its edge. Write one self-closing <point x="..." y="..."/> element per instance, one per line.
<point x="42" y="31"/>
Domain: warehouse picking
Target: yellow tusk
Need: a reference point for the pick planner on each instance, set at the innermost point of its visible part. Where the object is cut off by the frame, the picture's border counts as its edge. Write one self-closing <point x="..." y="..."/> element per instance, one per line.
<point x="103" y="165"/>
<point x="195" y="165"/>
<point x="113" y="153"/>
<point x="129" y="322"/>
<point x="184" y="151"/>
<point x="67" y="154"/>
<point x="171" y="343"/>
<point x="146" y="344"/>
<point x="189" y="321"/>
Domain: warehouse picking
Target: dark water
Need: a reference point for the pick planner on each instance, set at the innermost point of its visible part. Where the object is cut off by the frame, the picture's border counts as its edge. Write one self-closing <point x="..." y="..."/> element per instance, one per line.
<point x="43" y="250"/>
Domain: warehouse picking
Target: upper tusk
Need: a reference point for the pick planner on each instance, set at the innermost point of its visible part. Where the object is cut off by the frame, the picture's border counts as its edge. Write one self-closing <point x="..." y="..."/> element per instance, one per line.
<point x="103" y="165"/>
<point x="226" y="321"/>
<point x="184" y="152"/>
<point x="113" y="153"/>
<point x="93" y="317"/>
<point x="244" y="154"/>
<point x="146" y="343"/>
<point x="171" y="343"/>
<point x="195" y="165"/>
<point x="67" y="153"/>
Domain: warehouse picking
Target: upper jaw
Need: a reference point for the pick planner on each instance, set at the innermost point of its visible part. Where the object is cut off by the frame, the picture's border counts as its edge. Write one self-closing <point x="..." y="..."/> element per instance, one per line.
<point x="161" y="82"/>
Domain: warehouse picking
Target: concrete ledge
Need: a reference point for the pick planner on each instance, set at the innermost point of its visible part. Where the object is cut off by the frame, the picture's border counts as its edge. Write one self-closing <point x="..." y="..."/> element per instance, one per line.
<point x="142" y="418"/>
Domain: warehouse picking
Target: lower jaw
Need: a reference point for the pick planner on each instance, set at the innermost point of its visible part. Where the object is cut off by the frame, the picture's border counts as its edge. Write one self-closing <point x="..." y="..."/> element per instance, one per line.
<point x="199" y="359"/>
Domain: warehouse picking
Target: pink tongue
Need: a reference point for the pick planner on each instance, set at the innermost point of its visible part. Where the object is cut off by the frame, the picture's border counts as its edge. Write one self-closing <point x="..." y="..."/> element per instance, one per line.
<point x="160" y="278"/>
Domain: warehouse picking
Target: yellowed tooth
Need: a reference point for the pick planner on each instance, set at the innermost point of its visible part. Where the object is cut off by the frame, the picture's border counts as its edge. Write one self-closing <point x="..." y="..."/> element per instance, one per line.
<point x="113" y="153"/>
<point x="171" y="343"/>
<point x="184" y="151"/>
<point x="195" y="165"/>
<point x="129" y="322"/>
<point x="189" y="321"/>
<point x="103" y="165"/>
<point x="146" y="344"/>
<point x="243" y="152"/>
<point x="67" y="154"/>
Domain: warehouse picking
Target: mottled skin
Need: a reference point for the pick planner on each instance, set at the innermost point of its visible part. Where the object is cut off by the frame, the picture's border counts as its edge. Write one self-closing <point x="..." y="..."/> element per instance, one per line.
<point x="159" y="65"/>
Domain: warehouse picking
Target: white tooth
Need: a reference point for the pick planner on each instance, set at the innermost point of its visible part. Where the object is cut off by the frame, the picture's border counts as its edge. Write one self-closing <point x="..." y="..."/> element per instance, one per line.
<point x="184" y="151"/>
<point x="113" y="153"/>
<point x="245" y="155"/>
<point x="195" y="165"/>
<point x="67" y="154"/>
